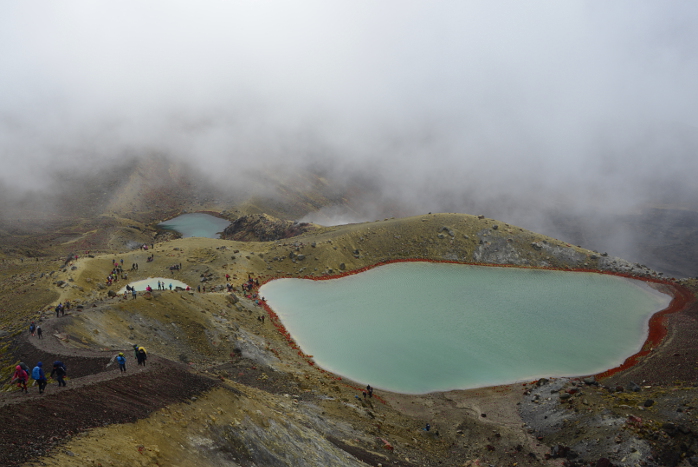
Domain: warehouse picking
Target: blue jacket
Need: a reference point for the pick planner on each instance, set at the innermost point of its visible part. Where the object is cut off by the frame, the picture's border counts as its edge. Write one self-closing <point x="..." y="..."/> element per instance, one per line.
<point x="38" y="372"/>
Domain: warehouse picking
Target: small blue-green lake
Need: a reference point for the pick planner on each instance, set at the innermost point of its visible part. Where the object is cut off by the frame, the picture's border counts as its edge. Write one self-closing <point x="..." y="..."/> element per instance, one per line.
<point x="197" y="224"/>
<point x="422" y="327"/>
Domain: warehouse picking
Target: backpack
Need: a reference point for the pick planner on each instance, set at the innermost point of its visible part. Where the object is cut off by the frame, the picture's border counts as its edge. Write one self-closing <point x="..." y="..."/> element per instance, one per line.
<point x="36" y="373"/>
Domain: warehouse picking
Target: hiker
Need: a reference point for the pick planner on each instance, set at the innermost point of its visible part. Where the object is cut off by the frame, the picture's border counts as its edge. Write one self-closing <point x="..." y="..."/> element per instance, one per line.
<point x="133" y="292"/>
<point x="135" y="351"/>
<point x="39" y="332"/>
<point x="21" y="377"/>
<point x="369" y="390"/>
<point x="39" y="376"/>
<point x="32" y="328"/>
<point x="142" y="356"/>
<point x="59" y="371"/>
<point x="121" y="360"/>
<point x="427" y="428"/>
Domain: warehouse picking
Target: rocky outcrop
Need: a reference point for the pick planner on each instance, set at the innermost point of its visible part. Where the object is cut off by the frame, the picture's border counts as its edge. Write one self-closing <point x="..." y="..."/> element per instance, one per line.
<point x="497" y="250"/>
<point x="264" y="228"/>
<point x="562" y="254"/>
<point x="608" y="263"/>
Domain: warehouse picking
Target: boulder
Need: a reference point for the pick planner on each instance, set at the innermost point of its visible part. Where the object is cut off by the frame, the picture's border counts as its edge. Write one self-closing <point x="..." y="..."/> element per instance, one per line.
<point x="232" y="298"/>
<point x="633" y="387"/>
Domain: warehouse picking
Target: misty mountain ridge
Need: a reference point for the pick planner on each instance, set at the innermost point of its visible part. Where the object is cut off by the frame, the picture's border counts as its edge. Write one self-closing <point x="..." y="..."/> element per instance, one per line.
<point x="152" y="189"/>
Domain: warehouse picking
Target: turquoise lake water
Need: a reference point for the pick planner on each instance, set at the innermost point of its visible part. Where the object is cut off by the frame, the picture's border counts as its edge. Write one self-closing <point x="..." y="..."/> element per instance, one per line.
<point x="423" y="327"/>
<point x="196" y="224"/>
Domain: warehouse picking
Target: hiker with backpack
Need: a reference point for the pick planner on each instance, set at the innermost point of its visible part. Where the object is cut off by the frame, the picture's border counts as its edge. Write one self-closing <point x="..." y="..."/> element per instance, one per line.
<point x="39" y="376"/>
<point x="32" y="328"/>
<point x="59" y="371"/>
<point x="142" y="356"/>
<point x="39" y="332"/>
<point x="121" y="360"/>
<point x="21" y="377"/>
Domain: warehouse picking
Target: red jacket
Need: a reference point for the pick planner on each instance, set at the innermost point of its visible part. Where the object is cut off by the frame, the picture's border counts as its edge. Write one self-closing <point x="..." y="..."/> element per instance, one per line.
<point x="20" y="374"/>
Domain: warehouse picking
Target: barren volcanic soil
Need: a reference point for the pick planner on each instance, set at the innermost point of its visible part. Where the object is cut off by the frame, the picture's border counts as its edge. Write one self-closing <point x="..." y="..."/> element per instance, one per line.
<point x="97" y="394"/>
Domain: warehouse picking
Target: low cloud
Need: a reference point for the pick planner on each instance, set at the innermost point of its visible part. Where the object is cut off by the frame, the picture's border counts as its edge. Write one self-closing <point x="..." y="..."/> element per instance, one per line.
<point x="516" y="111"/>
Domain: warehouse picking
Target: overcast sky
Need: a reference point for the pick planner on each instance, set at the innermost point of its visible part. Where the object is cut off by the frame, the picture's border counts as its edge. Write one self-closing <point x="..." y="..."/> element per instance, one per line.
<point x="585" y="104"/>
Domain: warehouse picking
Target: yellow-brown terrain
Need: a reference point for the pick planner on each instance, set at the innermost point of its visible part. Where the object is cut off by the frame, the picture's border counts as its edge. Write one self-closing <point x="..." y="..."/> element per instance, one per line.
<point x="222" y="387"/>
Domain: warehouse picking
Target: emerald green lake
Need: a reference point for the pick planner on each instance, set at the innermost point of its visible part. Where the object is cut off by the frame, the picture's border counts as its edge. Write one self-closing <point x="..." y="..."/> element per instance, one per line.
<point x="422" y="327"/>
<point x="197" y="224"/>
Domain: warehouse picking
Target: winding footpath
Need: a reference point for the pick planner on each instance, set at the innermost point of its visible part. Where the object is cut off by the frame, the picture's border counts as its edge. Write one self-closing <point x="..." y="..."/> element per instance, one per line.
<point x="97" y="393"/>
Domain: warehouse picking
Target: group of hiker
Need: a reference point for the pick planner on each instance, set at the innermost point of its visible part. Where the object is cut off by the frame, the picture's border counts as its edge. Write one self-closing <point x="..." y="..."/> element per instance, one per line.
<point x="138" y="351"/>
<point x="22" y="374"/>
<point x="35" y="329"/>
<point x="250" y="284"/>
<point x="131" y="290"/>
<point x="117" y="271"/>
<point x="61" y="308"/>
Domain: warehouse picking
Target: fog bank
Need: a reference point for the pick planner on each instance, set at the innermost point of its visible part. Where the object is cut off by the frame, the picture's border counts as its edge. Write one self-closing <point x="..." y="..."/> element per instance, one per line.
<point x="518" y="111"/>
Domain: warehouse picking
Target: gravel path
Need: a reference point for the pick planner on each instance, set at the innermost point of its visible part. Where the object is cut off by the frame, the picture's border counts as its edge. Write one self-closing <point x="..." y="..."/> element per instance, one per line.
<point x="97" y="393"/>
